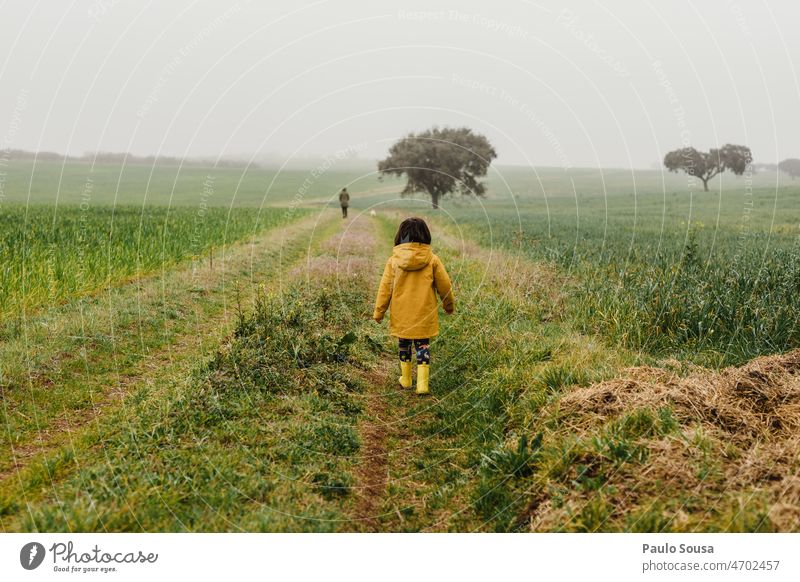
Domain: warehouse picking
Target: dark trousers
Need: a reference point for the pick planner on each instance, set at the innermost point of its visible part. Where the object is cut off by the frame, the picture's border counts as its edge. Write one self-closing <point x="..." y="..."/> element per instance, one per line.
<point x="422" y="347"/>
<point x="344" y="211"/>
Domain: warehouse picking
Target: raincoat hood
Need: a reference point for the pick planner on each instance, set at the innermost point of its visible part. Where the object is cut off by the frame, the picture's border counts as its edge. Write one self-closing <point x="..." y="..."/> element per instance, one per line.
<point x="412" y="256"/>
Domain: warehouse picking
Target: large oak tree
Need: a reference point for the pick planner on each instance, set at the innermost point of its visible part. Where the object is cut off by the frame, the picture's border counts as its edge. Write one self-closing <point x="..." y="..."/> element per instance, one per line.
<point x="440" y="162"/>
<point x="706" y="165"/>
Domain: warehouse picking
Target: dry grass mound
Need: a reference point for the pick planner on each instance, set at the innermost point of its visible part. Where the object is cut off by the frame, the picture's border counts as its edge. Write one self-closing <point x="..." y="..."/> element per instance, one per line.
<point x="736" y="442"/>
<point x="759" y="401"/>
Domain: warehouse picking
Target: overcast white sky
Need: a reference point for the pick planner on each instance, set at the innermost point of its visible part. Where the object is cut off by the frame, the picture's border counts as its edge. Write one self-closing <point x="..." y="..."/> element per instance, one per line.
<point x="575" y="83"/>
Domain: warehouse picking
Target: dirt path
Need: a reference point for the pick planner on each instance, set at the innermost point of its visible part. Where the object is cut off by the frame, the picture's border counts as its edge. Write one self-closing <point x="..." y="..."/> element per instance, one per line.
<point x="205" y="294"/>
<point x="358" y="252"/>
<point x="372" y="473"/>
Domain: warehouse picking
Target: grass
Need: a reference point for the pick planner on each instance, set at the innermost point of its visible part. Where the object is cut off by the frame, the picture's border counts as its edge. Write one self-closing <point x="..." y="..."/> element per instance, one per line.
<point x="51" y="255"/>
<point x="511" y="443"/>
<point x="91" y="351"/>
<point x="704" y="278"/>
<point x="264" y="436"/>
<point x="54" y="183"/>
<point x="261" y="437"/>
<point x="536" y="422"/>
<point x="477" y="446"/>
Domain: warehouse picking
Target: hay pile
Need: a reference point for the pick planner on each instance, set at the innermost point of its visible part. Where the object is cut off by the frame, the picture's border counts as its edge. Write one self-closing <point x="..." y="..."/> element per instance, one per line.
<point x="750" y="414"/>
<point x="758" y="401"/>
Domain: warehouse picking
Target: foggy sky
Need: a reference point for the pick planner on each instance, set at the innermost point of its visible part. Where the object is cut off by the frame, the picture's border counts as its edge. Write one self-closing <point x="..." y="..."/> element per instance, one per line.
<point x="575" y="83"/>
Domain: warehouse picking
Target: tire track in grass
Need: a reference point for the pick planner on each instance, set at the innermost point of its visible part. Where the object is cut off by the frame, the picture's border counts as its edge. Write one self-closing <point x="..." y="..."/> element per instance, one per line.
<point x="204" y="290"/>
<point x="390" y="441"/>
<point x="371" y="474"/>
<point x="354" y="253"/>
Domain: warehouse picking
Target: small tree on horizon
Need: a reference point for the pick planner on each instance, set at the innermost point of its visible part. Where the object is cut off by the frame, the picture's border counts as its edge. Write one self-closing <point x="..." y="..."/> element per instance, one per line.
<point x="440" y="162"/>
<point x="790" y="166"/>
<point x="706" y="165"/>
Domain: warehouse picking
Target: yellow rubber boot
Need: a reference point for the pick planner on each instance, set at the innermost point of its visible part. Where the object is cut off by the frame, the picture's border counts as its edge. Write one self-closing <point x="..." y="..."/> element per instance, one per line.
<point x="405" y="374"/>
<point x="423" y="375"/>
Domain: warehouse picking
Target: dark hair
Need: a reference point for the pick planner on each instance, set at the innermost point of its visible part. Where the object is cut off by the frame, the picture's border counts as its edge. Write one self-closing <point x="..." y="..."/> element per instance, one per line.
<point x="413" y="230"/>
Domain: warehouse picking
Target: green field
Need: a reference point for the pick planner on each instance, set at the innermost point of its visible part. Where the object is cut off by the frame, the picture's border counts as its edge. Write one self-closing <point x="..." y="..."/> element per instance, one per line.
<point x="50" y="255"/>
<point x="654" y="265"/>
<point x="255" y="394"/>
<point x="115" y="184"/>
<point x="708" y="277"/>
<point x="69" y="229"/>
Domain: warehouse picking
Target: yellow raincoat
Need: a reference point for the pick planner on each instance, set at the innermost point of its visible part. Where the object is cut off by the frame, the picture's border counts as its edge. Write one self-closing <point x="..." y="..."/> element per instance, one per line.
<point x="412" y="278"/>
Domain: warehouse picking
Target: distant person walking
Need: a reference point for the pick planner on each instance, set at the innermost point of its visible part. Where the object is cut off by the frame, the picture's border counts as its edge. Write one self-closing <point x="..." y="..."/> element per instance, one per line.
<point x="344" y="201"/>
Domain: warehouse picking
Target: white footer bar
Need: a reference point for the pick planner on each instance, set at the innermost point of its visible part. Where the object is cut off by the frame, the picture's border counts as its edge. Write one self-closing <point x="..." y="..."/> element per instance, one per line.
<point x="414" y="557"/>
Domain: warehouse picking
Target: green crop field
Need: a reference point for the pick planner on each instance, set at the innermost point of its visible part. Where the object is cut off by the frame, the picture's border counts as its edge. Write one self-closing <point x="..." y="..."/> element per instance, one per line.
<point x="69" y="229"/>
<point x="655" y="266"/>
<point x="709" y="277"/>
<point x="77" y="183"/>
<point x="52" y="254"/>
<point x="609" y="325"/>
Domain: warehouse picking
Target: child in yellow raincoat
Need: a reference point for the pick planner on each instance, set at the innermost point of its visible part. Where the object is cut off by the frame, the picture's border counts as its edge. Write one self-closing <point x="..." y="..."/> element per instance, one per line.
<point x="411" y="280"/>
